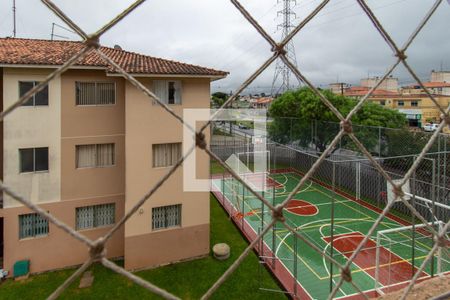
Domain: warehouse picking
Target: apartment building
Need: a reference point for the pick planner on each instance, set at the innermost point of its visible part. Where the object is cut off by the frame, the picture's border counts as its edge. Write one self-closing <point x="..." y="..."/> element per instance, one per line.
<point x="410" y="100"/>
<point x="88" y="147"/>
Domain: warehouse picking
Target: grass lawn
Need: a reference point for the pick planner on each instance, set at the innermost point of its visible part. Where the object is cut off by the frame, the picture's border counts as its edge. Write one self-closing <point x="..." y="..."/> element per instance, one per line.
<point x="188" y="280"/>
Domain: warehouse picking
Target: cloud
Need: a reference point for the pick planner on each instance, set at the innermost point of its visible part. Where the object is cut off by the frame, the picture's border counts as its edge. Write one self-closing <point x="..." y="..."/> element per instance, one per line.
<point x="340" y="43"/>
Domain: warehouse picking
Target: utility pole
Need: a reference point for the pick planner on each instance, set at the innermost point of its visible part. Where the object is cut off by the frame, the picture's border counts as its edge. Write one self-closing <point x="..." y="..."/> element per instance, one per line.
<point x="282" y="71"/>
<point x="14" y="18"/>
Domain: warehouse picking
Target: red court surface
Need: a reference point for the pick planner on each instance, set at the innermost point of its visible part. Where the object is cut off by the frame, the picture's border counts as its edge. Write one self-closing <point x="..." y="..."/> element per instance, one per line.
<point x="302" y="208"/>
<point x="393" y="268"/>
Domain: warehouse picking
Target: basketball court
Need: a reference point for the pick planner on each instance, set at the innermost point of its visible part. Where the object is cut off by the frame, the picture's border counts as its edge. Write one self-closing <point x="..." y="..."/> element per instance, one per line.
<point x="336" y="223"/>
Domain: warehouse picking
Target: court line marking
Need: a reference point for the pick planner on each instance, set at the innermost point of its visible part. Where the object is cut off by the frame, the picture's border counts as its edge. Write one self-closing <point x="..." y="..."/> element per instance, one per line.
<point x="368" y="218"/>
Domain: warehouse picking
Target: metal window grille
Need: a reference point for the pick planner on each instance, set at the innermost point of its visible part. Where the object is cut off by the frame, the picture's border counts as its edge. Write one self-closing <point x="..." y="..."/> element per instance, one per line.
<point x="95" y="93"/>
<point x="32" y="225"/>
<point x="165" y="155"/>
<point x="38" y="99"/>
<point x="95" y="216"/>
<point x="166" y="216"/>
<point x="95" y="155"/>
<point x="96" y="247"/>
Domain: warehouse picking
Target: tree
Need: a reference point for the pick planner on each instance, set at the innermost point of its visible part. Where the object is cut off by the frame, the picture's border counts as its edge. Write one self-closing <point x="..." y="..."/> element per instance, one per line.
<point x="219" y="98"/>
<point x="301" y="117"/>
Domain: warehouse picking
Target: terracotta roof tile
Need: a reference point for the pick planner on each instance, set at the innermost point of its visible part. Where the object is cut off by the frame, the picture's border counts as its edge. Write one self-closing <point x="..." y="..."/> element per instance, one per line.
<point x="44" y="52"/>
<point x="431" y="84"/>
<point x="362" y="91"/>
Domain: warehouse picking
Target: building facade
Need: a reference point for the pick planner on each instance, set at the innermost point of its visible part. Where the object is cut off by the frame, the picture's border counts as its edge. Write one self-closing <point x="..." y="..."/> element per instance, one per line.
<point x="88" y="147"/>
<point x="410" y="100"/>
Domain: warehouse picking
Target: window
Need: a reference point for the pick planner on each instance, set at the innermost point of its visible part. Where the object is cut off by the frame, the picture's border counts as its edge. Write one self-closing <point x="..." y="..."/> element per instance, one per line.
<point x="38" y="99"/>
<point x="168" y="91"/>
<point x="33" y="160"/>
<point x="32" y="225"/>
<point x="166" y="216"/>
<point x="96" y="155"/>
<point x="95" y="216"/>
<point x="95" y="93"/>
<point x="165" y="155"/>
<point x="383" y="102"/>
<point x="414" y="103"/>
<point x="400" y="103"/>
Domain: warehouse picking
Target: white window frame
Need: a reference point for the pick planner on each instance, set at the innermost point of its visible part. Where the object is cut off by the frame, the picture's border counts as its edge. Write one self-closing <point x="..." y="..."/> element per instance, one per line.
<point x="161" y="217"/>
<point x="96" y="214"/>
<point x="161" y="90"/>
<point x="96" y="91"/>
<point x="77" y="147"/>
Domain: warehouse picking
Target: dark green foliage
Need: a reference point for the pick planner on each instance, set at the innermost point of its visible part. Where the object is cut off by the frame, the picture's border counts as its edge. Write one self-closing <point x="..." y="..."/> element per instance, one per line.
<point x="301" y="117"/>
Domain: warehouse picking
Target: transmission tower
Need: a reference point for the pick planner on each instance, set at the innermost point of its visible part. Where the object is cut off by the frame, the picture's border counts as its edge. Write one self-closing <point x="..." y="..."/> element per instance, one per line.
<point x="281" y="70"/>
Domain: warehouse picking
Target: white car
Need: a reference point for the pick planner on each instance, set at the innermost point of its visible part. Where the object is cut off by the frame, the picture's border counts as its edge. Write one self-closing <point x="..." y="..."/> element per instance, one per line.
<point x="430" y="127"/>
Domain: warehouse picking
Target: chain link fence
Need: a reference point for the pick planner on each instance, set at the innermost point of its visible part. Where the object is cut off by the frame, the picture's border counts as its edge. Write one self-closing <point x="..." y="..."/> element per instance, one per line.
<point x="97" y="247"/>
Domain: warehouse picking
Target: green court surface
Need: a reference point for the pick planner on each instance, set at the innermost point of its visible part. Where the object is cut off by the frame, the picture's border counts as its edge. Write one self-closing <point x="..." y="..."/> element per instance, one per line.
<point x="311" y="214"/>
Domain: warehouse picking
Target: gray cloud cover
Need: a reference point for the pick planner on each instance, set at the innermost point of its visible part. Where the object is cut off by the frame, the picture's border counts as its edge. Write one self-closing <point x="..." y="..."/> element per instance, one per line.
<point x="340" y="43"/>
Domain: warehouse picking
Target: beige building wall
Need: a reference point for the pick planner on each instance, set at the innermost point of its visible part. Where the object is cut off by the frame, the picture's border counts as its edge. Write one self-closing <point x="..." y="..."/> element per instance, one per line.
<point x="83" y="125"/>
<point x="30" y="127"/>
<point x="65" y="125"/>
<point x="58" y="249"/>
<point x="148" y="124"/>
<point x="389" y="84"/>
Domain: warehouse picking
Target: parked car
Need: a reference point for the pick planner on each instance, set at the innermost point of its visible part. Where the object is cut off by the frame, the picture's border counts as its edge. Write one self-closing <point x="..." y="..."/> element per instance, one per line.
<point x="243" y="126"/>
<point x="430" y="127"/>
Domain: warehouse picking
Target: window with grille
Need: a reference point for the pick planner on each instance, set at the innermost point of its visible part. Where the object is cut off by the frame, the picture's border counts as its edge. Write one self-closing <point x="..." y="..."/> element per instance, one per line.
<point x="414" y="103"/>
<point x="167" y="91"/>
<point x="32" y="225"/>
<point x="95" y="93"/>
<point x="38" y="99"/>
<point x="165" y="155"/>
<point x="95" y="155"/>
<point x="33" y="160"/>
<point x="166" y="216"/>
<point x="383" y="102"/>
<point x="400" y="103"/>
<point x="95" y="216"/>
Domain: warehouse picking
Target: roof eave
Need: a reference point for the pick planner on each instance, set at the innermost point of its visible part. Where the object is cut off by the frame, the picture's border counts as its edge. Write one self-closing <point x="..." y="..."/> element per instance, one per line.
<point x="141" y="75"/>
<point x="35" y="66"/>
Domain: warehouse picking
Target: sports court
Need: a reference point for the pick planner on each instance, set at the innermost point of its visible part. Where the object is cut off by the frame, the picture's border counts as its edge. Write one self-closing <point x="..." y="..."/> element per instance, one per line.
<point x="336" y="223"/>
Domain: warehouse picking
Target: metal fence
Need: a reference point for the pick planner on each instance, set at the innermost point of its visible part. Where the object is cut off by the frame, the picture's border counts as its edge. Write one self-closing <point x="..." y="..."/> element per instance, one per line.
<point x="97" y="247"/>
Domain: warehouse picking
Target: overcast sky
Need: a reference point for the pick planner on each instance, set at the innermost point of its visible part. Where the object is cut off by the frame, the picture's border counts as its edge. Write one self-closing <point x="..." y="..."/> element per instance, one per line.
<point x="339" y="44"/>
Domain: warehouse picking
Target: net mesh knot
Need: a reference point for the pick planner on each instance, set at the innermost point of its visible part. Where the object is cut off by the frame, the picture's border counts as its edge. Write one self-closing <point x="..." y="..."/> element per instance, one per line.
<point x="346" y="274"/>
<point x="441" y="241"/>
<point x="93" y="41"/>
<point x="279" y="49"/>
<point x="98" y="250"/>
<point x="398" y="191"/>
<point x="346" y="125"/>
<point x="277" y="213"/>
<point x="401" y="55"/>
<point x="200" y="140"/>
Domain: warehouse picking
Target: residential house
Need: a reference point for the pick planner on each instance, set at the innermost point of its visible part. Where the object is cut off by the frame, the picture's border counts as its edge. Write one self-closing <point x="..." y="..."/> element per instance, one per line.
<point x="89" y="146"/>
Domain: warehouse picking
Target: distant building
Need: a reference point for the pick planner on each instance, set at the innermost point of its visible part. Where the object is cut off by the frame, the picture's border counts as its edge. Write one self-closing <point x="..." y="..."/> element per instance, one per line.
<point x="410" y="100"/>
<point x="263" y="102"/>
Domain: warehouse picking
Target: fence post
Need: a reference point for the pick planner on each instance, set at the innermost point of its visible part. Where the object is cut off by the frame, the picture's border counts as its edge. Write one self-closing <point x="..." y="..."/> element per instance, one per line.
<point x="332" y="223"/>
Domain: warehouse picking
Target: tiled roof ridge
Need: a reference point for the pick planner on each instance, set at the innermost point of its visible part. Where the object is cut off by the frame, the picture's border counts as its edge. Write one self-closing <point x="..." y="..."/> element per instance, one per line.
<point x="132" y="62"/>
